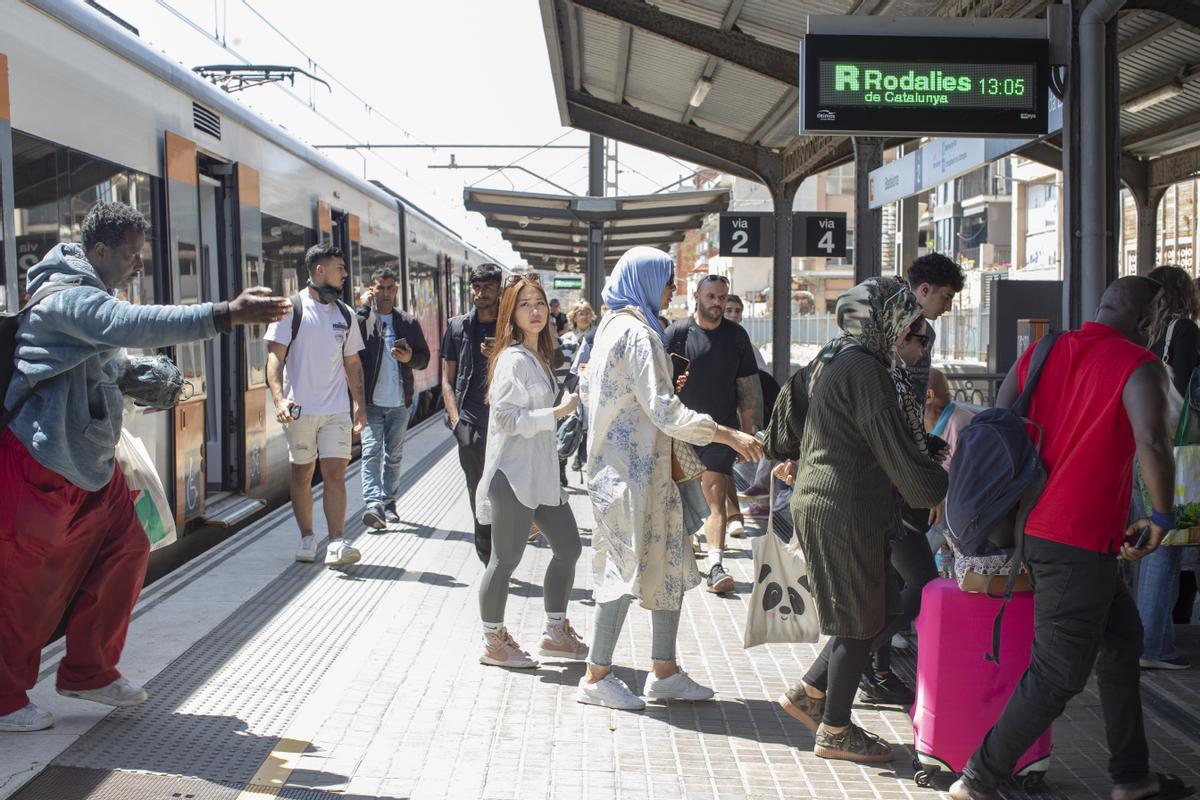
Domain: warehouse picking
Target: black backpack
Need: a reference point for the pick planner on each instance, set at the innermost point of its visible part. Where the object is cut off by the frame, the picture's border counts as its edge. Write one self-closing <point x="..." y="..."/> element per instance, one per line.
<point x="298" y="315"/>
<point x="995" y="481"/>
<point x="9" y="324"/>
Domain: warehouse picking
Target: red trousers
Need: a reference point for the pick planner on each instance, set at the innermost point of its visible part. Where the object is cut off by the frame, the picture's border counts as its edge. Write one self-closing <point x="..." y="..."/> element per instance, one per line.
<point x="63" y="551"/>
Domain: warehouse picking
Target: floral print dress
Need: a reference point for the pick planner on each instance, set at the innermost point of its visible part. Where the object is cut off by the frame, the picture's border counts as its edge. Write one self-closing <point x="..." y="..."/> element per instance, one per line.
<point x="640" y="545"/>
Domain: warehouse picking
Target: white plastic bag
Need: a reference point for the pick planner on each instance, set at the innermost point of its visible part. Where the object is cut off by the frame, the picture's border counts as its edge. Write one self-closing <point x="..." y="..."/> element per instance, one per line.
<point x="146" y="491"/>
<point x="781" y="606"/>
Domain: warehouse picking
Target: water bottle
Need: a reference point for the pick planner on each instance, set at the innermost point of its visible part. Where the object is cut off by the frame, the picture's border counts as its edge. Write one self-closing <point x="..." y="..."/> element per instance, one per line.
<point x="945" y="562"/>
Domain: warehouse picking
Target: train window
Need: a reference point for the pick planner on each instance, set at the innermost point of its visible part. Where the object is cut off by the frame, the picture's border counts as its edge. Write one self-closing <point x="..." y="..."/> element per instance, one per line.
<point x="373" y="259"/>
<point x="55" y="187"/>
<point x="282" y="269"/>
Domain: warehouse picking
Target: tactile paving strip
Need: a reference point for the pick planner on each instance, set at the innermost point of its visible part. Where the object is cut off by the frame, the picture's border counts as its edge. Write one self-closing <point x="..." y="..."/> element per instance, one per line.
<point x="65" y="783"/>
<point x="216" y="712"/>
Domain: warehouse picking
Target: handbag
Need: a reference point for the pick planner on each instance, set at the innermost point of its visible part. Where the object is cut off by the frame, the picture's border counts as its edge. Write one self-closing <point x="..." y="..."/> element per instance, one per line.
<point x="781" y="606"/>
<point x="685" y="464"/>
<point x="1175" y="400"/>
<point x="146" y="491"/>
<point x="569" y="433"/>
<point x="1187" y="484"/>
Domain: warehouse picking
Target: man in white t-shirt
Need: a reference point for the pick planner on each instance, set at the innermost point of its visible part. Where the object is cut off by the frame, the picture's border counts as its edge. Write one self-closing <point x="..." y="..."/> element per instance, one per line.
<point x="313" y="378"/>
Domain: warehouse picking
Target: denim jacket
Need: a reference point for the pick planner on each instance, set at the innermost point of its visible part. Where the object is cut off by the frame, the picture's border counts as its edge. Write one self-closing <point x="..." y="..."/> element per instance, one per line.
<point x="71" y="346"/>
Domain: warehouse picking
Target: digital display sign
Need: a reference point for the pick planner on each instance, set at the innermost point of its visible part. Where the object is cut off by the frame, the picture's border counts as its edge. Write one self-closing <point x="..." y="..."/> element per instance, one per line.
<point x="871" y="84"/>
<point x="930" y="86"/>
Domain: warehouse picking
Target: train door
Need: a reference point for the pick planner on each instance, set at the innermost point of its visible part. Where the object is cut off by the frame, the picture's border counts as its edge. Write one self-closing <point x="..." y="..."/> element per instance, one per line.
<point x="208" y="251"/>
<point x="344" y="235"/>
<point x="217" y="279"/>
<point x="183" y="211"/>
<point x="9" y="298"/>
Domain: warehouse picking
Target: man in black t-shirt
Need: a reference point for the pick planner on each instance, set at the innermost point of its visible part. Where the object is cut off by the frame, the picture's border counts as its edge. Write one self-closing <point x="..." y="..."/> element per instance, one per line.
<point x="722" y="381"/>
<point x="465" y="351"/>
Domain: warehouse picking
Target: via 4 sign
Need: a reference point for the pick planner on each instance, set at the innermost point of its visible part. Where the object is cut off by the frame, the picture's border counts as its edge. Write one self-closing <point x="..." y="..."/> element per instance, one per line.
<point x="815" y="234"/>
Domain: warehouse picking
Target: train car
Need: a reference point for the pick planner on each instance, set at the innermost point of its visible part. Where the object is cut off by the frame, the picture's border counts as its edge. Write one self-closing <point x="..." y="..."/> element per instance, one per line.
<point x="89" y="113"/>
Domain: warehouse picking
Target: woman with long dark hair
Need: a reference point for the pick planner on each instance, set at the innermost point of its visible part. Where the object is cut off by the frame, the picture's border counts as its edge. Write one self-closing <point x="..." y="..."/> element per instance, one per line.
<point x="1174" y="337"/>
<point x="519" y="485"/>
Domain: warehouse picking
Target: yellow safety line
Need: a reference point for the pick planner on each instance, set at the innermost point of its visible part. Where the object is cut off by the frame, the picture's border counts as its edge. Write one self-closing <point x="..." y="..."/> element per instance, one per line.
<point x="273" y="773"/>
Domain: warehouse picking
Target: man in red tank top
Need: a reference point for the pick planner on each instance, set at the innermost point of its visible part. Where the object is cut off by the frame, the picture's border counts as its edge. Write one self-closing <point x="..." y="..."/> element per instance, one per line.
<point x="1101" y="398"/>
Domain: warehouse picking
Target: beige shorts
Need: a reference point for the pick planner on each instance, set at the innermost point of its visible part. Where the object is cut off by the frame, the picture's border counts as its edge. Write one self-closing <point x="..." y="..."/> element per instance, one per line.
<point x="326" y="435"/>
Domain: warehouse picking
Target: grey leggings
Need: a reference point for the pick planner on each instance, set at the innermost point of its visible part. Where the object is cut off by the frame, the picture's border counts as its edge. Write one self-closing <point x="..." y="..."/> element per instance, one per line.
<point x="510" y="533"/>
<point x="610" y="618"/>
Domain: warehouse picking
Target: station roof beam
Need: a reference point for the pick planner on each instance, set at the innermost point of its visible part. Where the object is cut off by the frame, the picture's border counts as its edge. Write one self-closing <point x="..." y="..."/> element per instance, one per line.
<point x="551" y="231"/>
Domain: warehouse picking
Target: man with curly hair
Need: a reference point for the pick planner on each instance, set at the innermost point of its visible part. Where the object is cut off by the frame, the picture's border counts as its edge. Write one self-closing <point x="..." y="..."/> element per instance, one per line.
<point x="71" y="544"/>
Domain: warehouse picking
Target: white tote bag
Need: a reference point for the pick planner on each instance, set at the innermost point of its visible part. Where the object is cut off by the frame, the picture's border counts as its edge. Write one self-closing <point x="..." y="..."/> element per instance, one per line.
<point x="146" y="490"/>
<point x="781" y="609"/>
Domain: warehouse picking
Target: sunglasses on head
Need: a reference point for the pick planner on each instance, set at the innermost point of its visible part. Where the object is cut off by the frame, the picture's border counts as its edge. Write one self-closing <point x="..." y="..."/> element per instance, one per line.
<point x="517" y="277"/>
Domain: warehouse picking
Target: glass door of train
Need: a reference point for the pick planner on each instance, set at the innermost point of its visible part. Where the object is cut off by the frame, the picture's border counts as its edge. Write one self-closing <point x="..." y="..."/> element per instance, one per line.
<point x="202" y="210"/>
<point x="216" y="280"/>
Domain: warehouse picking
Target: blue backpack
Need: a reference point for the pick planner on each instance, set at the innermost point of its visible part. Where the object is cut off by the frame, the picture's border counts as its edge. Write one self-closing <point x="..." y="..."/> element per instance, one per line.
<point x="996" y="479"/>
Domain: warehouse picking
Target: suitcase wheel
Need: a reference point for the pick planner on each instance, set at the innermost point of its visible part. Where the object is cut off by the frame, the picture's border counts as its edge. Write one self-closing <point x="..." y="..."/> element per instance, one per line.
<point x="924" y="778"/>
<point x="1033" y="781"/>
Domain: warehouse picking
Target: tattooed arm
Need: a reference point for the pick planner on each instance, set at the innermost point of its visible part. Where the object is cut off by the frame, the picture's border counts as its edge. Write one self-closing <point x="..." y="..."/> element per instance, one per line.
<point x="749" y="399"/>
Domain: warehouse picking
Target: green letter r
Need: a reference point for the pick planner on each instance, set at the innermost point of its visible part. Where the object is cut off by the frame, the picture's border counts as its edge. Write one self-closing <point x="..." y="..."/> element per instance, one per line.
<point x="845" y="78"/>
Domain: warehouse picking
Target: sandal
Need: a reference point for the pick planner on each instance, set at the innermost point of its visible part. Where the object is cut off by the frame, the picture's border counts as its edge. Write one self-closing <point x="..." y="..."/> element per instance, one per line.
<point x="853" y="744"/>
<point x="1170" y="787"/>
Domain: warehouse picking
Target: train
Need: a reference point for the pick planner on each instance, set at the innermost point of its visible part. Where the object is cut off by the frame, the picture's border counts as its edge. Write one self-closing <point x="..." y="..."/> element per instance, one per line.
<point x="89" y="112"/>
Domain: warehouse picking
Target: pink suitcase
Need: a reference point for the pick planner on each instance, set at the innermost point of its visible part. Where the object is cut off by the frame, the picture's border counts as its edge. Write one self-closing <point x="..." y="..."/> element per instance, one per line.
<point x="960" y="694"/>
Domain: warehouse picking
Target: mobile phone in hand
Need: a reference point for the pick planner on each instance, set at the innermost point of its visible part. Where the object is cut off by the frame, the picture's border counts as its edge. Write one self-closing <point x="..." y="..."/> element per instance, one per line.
<point x="1143" y="539"/>
<point x="401" y="343"/>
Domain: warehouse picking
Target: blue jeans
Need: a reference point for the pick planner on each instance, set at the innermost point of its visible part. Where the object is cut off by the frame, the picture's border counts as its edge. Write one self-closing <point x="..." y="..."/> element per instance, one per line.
<point x="382" y="449"/>
<point x="1157" y="588"/>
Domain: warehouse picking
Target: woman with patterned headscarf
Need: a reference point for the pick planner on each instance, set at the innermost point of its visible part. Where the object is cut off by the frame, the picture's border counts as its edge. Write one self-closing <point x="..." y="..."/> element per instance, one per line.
<point x="857" y="445"/>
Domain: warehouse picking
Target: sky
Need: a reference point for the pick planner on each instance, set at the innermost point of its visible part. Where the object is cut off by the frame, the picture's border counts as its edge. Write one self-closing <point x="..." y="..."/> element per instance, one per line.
<point x="403" y="71"/>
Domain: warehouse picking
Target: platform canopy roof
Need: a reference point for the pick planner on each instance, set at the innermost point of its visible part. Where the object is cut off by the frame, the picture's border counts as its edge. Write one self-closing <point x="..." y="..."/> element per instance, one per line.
<point x="550" y="231"/>
<point x="716" y="81"/>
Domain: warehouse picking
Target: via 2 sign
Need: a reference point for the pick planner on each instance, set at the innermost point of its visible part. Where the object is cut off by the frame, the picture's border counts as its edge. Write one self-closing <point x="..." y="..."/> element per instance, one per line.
<point x="815" y="234"/>
<point x="741" y="234"/>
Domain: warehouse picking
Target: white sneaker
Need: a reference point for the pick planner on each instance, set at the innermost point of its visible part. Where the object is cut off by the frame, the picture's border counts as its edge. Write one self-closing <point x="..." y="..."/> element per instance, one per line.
<point x="307" y="553"/>
<point x="340" y="554"/>
<point x="735" y="528"/>
<point x="120" y="693"/>
<point x="679" y="686"/>
<point x="610" y="692"/>
<point x="27" y="719"/>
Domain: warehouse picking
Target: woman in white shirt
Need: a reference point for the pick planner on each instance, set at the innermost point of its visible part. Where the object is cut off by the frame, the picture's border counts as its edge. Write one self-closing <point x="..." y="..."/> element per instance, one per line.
<point x="519" y="485"/>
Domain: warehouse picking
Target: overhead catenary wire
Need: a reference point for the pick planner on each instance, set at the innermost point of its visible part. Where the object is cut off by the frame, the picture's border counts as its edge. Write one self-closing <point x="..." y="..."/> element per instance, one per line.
<point x="292" y="95"/>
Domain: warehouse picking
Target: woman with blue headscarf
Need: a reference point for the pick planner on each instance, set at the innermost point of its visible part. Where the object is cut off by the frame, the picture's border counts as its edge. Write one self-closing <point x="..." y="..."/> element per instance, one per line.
<point x="641" y="550"/>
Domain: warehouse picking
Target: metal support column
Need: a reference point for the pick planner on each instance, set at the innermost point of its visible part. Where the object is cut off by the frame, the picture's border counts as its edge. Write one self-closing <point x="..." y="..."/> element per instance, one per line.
<point x="1147" y="228"/>
<point x="1073" y="169"/>
<point x="868" y="224"/>
<point x="1096" y="185"/>
<point x="782" y="196"/>
<point x="908" y="222"/>
<point x="594" y="280"/>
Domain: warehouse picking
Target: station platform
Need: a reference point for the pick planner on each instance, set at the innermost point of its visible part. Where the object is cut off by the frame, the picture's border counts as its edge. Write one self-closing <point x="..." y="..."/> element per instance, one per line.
<point x="273" y="679"/>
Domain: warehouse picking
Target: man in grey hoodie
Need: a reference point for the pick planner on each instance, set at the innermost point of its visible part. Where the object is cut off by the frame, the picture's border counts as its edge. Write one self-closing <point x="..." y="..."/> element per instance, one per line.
<point x="70" y="541"/>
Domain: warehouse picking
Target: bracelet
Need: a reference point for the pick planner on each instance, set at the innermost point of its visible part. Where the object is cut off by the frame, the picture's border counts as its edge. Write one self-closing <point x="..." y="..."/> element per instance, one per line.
<point x="1163" y="519"/>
